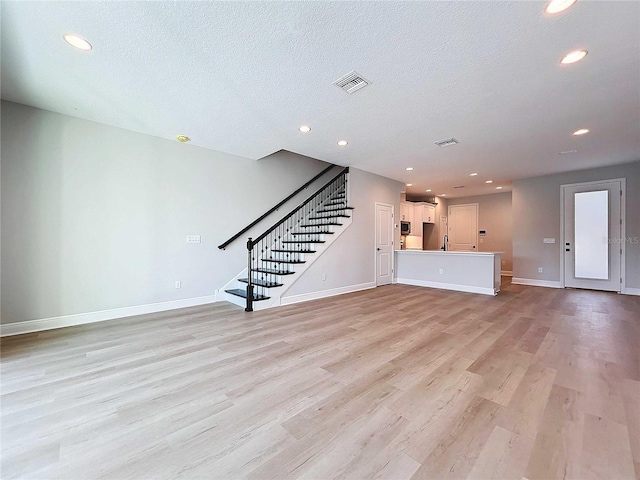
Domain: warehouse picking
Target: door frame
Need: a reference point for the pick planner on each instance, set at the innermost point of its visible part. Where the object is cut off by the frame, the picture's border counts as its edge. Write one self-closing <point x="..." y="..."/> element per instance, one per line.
<point x="393" y="242"/>
<point x="477" y="205"/>
<point x="623" y="226"/>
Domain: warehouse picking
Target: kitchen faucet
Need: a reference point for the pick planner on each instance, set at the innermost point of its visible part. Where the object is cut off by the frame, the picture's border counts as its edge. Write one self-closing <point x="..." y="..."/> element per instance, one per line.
<point x="445" y="240"/>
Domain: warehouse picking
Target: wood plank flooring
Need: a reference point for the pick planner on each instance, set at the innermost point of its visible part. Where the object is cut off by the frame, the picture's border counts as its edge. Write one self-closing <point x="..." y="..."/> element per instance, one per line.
<point x="397" y="382"/>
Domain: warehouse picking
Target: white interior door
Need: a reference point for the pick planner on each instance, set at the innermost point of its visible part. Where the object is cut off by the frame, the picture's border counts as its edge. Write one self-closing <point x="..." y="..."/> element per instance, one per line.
<point x="592" y="233"/>
<point x="463" y="227"/>
<point x="384" y="244"/>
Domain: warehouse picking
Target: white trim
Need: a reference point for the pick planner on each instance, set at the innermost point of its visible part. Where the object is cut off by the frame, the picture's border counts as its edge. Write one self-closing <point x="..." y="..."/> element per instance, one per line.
<point x="305" y="297"/>
<point x="536" y="283"/>
<point x="38" y="325"/>
<point x="631" y="291"/>
<point x="506" y="273"/>
<point x="393" y="242"/>
<point x="447" y="286"/>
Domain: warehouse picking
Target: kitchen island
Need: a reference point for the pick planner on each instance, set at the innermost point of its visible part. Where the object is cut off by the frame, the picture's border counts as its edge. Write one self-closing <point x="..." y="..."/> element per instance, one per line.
<point x="475" y="272"/>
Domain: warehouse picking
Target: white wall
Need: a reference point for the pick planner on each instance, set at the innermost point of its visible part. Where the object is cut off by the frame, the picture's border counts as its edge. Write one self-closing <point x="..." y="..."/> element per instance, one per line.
<point x="95" y="217"/>
<point x="494" y="216"/>
<point x="536" y="215"/>
<point x="350" y="262"/>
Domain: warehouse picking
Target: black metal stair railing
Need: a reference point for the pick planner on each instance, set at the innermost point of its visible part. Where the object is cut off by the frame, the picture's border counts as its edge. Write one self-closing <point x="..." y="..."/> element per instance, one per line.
<point x="272" y="254"/>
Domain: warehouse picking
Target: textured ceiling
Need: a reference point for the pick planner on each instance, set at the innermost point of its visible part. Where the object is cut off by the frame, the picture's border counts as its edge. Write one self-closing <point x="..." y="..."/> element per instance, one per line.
<point x="241" y="77"/>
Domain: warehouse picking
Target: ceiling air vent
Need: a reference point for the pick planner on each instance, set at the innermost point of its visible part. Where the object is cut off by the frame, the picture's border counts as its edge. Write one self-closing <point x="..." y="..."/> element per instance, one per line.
<point x="459" y="186"/>
<point x="351" y="82"/>
<point x="446" y="143"/>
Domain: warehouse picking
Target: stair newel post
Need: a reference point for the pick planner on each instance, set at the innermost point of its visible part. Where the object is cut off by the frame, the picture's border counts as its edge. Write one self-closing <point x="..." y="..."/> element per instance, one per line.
<point x="249" y="307"/>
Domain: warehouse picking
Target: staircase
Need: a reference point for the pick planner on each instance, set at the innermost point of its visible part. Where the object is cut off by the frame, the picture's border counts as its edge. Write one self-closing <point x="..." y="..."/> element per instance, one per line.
<point x="280" y="255"/>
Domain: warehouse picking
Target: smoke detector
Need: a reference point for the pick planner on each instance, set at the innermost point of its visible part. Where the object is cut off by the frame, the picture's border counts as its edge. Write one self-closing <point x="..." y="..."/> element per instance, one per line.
<point x="446" y="143"/>
<point x="351" y="82"/>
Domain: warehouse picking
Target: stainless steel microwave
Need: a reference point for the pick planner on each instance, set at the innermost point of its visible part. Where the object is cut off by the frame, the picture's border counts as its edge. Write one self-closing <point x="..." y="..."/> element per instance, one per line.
<point x="405" y="228"/>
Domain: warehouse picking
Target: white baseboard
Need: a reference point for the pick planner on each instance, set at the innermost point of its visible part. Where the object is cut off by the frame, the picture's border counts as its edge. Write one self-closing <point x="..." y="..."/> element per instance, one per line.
<point x="506" y="273"/>
<point x="536" y="283"/>
<point x="631" y="291"/>
<point x="447" y="286"/>
<point x="305" y="297"/>
<point x="41" y="324"/>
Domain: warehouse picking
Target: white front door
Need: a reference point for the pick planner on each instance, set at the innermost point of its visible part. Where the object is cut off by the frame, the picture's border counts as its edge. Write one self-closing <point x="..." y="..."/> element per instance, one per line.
<point x="592" y="233"/>
<point x="463" y="227"/>
<point x="384" y="244"/>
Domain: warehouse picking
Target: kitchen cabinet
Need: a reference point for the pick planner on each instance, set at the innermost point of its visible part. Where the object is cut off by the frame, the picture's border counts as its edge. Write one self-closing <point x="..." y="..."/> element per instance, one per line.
<point x="407" y="213"/>
<point x="428" y="214"/>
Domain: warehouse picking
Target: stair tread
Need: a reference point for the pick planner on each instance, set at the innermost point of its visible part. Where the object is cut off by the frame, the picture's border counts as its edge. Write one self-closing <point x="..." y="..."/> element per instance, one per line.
<point x="285" y="250"/>
<point x="323" y="232"/>
<point x="324" y="224"/>
<point x="261" y="283"/>
<point x="274" y="260"/>
<point x="303" y="241"/>
<point x="243" y="293"/>
<point x="273" y="271"/>
<point x="329" y="216"/>
<point x="336" y="209"/>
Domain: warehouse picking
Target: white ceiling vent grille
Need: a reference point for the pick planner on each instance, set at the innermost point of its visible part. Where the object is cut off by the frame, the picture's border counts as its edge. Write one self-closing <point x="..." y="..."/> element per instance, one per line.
<point x="351" y="82"/>
<point x="446" y="143"/>
<point x="459" y="186"/>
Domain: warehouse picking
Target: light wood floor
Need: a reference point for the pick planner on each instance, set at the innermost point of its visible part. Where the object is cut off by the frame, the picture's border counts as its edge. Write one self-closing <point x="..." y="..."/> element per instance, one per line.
<point x="397" y="382"/>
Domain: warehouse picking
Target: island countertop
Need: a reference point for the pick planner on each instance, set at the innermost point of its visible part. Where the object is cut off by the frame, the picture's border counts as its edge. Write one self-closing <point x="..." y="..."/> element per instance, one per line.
<point x="442" y="252"/>
<point x="475" y="272"/>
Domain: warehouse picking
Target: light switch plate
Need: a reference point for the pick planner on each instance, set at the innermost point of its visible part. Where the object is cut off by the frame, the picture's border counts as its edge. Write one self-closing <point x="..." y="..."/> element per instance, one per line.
<point x="549" y="240"/>
<point x="193" y="238"/>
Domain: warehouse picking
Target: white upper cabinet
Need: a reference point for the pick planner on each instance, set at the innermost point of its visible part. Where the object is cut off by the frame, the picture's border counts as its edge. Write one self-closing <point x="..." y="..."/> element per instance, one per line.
<point x="407" y="212"/>
<point x="428" y="214"/>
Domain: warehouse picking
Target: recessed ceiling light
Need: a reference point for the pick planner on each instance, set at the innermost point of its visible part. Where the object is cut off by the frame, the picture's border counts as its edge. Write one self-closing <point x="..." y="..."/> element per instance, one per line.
<point x="443" y="194"/>
<point x="409" y="169"/>
<point x="567" y="152"/>
<point x="498" y="188"/>
<point x="183" y="138"/>
<point x="473" y="174"/>
<point x="409" y="184"/>
<point x="573" y="57"/>
<point x="305" y="129"/>
<point x="582" y="131"/>
<point x="342" y="143"/>
<point x="557" y="6"/>
<point x="428" y="190"/>
<point x="489" y="181"/>
<point x="77" y="41"/>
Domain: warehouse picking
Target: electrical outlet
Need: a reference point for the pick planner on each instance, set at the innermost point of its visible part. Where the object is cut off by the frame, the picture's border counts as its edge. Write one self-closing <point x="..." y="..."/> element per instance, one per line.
<point x="178" y="284"/>
<point x="324" y="277"/>
<point x="539" y="269"/>
<point x="504" y="262"/>
<point x="441" y="271"/>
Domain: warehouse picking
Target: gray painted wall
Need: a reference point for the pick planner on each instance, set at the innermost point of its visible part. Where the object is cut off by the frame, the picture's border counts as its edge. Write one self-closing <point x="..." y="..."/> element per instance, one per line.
<point x="351" y="259"/>
<point x="494" y="216"/>
<point x="536" y="214"/>
<point x="95" y="217"/>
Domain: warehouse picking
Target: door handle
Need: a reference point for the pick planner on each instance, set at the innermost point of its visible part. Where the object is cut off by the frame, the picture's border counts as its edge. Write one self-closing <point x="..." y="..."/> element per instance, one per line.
<point x="378" y="249"/>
